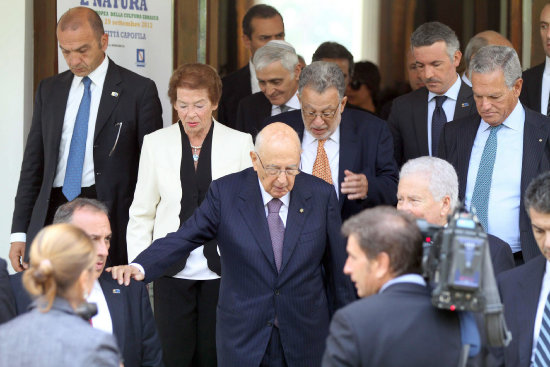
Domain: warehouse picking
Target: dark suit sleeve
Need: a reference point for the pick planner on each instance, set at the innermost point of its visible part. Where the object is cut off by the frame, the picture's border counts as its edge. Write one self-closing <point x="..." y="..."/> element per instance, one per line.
<point x="150" y="112"/>
<point x="342" y="348"/>
<point x="340" y="289"/>
<point x="32" y="169"/>
<point x="240" y="121"/>
<point x="382" y="189"/>
<point x="7" y="302"/>
<point x="501" y="255"/>
<point x="152" y="350"/>
<point x="393" y="123"/>
<point x="201" y="227"/>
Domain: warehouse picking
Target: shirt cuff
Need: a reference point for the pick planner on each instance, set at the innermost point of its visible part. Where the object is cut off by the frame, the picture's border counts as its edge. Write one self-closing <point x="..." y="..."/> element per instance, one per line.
<point x="18" y="237"/>
<point x="139" y="267"/>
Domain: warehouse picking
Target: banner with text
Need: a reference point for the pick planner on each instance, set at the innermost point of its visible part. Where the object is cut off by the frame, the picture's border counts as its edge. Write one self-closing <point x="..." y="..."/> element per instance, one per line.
<point x="140" y="39"/>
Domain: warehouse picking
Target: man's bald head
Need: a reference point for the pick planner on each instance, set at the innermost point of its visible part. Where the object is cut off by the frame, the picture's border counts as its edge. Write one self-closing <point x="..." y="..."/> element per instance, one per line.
<point x="482" y="39"/>
<point x="494" y="38"/>
<point x="75" y="18"/>
<point x="277" y="158"/>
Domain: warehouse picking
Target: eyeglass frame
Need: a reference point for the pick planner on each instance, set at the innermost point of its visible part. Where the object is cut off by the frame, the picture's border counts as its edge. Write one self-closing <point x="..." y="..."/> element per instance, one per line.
<point x="276" y="172"/>
<point x="325" y="116"/>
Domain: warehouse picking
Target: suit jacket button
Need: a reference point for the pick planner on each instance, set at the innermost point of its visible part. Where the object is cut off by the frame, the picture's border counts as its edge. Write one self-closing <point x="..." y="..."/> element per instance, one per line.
<point x="277" y="292"/>
<point x="98" y="173"/>
<point x="269" y="324"/>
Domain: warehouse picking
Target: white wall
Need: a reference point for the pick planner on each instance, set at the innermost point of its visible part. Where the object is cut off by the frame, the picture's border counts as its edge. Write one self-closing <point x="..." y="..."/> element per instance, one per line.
<point x="16" y="74"/>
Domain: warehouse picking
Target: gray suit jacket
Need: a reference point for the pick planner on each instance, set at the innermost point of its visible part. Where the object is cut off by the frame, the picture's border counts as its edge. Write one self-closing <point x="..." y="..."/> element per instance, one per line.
<point x="55" y="338"/>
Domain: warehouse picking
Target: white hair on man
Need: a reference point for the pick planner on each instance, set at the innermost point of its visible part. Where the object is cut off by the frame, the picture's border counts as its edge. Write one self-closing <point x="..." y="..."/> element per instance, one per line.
<point x="442" y="177"/>
<point x="274" y="51"/>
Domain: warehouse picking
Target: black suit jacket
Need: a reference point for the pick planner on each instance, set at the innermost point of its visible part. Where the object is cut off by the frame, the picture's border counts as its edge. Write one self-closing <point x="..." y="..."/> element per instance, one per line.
<point x="501" y="255"/>
<point x="520" y="291"/>
<point x="408" y="121"/>
<point x="134" y="327"/>
<point x="129" y="102"/>
<point x="253" y="110"/>
<point x="235" y="87"/>
<point x="532" y="87"/>
<point x="398" y="327"/>
<point x="7" y="301"/>
<point x="365" y="147"/>
<point x="457" y="140"/>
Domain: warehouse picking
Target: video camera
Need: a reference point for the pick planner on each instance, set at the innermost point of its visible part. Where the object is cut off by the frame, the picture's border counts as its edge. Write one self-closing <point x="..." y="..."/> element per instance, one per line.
<point x="457" y="265"/>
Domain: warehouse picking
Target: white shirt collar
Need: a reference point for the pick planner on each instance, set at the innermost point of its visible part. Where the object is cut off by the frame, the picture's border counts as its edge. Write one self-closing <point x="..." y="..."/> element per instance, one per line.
<point x="266" y="197"/>
<point x="98" y="75"/>
<point x="309" y="139"/>
<point x="451" y="93"/>
<point x="405" y="278"/>
<point x="547" y="66"/>
<point x="514" y="121"/>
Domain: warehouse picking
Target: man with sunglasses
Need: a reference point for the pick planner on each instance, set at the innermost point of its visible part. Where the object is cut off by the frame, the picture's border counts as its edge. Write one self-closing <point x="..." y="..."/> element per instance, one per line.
<point x="282" y="256"/>
<point x="350" y="149"/>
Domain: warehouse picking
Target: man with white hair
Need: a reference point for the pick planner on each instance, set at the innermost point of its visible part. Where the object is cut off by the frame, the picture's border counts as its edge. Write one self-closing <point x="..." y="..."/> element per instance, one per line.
<point x="428" y="189"/>
<point x="498" y="152"/>
<point x="278" y="72"/>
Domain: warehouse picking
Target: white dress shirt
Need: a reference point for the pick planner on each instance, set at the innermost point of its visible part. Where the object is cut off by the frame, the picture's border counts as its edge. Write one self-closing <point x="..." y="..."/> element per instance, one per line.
<point x="448" y="106"/>
<point x="505" y="195"/>
<point x="102" y="320"/>
<point x="73" y="103"/>
<point x="545" y="289"/>
<point x="253" y="79"/>
<point x="293" y="104"/>
<point x="332" y="148"/>
<point x="545" y="91"/>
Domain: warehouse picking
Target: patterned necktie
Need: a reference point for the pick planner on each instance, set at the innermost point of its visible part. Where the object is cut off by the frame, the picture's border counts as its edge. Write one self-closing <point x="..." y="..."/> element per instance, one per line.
<point x="284" y="108"/>
<point x="73" y="175"/>
<point x="321" y="167"/>
<point x="276" y="230"/>
<point x="542" y="350"/>
<point x="482" y="187"/>
<point x="438" y="121"/>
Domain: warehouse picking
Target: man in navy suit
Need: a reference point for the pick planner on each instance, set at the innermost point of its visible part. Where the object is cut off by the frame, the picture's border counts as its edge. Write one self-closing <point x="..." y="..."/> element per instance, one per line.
<point x="395" y="323"/>
<point x="524" y="290"/>
<point x="282" y="275"/>
<point x="519" y="149"/>
<point x="357" y="145"/>
<point x="124" y="312"/>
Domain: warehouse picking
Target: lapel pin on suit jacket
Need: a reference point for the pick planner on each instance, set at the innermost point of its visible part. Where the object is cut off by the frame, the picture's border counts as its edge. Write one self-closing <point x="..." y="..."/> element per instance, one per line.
<point x="114" y="94"/>
<point x="301" y="210"/>
<point x="465" y="104"/>
<point x="540" y="140"/>
<point x="116" y="291"/>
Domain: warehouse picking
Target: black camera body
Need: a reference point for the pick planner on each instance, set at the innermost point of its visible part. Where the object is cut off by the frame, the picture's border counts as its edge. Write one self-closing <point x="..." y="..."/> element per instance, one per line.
<point x="452" y="262"/>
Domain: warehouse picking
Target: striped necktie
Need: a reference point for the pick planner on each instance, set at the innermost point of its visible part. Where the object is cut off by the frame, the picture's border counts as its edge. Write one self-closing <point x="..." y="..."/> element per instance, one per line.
<point x="542" y="350"/>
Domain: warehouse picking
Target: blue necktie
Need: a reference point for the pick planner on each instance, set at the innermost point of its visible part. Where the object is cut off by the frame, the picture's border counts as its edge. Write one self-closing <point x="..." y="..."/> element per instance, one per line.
<point x="276" y="230"/>
<point x="73" y="174"/>
<point x="542" y="350"/>
<point x="482" y="187"/>
<point x="438" y="121"/>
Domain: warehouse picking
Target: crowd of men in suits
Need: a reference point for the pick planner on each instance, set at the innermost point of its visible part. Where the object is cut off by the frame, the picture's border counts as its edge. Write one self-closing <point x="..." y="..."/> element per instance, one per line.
<point x="287" y="294"/>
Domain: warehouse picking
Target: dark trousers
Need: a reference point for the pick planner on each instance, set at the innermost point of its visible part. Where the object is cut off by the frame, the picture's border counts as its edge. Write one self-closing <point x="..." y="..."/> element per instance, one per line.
<point x="274" y="355"/>
<point x="185" y="312"/>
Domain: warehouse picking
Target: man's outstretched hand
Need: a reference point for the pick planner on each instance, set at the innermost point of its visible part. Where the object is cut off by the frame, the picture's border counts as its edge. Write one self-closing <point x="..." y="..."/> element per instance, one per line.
<point x="123" y="273"/>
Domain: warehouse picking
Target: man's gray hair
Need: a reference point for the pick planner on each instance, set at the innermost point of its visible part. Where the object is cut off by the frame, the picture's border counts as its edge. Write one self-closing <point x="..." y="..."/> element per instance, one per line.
<point x="440" y="173"/>
<point x="429" y="33"/>
<point x="491" y="58"/>
<point x="475" y="44"/>
<point x="64" y="214"/>
<point x="321" y="75"/>
<point x="537" y="195"/>
<point x="274" y="51"/>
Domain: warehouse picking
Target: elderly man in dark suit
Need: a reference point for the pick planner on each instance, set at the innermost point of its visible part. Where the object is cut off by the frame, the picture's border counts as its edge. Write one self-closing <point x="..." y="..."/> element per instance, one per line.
<point x="350" y="149"/>
<point x="278" y="71"/>
<point x="124" y="312"/>
<point x="281" y="253"/>
<point x="525" y="289"/>
<point x="417" y="118"/>
<point x="498" y="152"/>
<point x="395" y="323"/>
<point x="262" y="23"/>
<point x="85" y="138"/>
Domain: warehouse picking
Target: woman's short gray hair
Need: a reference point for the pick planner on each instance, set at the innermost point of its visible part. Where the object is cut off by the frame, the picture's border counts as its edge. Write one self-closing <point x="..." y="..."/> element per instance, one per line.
<point x="491" y="58"/>
<point x="429" y="33"/>
<point x="274" y="51"/>
<point x="441" y="174"/>
<point x="321" y="75"/>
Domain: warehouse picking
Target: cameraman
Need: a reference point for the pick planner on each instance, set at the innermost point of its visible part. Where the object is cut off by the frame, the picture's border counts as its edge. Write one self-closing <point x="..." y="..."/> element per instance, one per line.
<point x="394" y="324"/>
<point x="525" y="289"/>
<point x="428" y="189"/>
